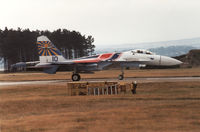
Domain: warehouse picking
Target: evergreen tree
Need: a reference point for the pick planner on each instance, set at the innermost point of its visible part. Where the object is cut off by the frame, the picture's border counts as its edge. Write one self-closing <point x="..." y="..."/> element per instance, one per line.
<point x="20" y="45"/>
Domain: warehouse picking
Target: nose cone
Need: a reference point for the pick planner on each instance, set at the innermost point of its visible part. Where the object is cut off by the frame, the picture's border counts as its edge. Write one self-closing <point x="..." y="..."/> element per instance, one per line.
<point x="168" y="61"/>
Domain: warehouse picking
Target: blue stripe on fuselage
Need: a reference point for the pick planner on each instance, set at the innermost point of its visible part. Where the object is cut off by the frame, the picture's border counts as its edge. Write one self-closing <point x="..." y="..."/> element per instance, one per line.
<point x="115" y="56"/>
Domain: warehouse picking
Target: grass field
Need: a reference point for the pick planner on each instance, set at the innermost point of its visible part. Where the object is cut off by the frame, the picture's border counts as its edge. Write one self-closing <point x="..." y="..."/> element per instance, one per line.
<point x="102" y="74"/>
<point x="158" y="106"/>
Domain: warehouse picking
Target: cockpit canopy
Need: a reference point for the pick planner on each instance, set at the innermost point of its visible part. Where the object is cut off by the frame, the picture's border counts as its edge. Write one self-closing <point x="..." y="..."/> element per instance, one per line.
<point x="143" y="51"/>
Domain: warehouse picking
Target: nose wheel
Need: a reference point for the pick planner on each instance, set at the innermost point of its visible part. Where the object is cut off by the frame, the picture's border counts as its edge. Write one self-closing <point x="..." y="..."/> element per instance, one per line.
<point x="121" y="77"/>
<point x="76" y="77"/>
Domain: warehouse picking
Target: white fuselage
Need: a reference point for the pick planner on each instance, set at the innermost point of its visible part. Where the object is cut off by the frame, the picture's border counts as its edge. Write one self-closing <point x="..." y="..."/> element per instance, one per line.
<point x="148" y="58"/>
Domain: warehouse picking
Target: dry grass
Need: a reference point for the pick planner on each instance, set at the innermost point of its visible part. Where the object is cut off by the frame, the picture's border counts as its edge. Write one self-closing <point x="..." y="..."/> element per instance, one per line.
<point x="102" y="74"/>
<point x="168" y="107"/>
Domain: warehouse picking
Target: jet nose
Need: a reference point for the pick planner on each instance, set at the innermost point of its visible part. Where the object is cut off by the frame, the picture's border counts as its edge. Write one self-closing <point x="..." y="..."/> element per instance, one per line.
<point x="178" y="62"/>
<point x="168" y="61"/>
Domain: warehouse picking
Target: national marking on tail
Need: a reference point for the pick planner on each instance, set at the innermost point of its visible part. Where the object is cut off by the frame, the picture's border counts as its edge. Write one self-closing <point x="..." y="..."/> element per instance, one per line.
<point x="46" y="47"/>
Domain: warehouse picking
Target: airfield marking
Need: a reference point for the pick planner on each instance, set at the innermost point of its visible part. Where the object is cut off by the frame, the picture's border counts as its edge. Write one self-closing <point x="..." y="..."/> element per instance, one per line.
<point x="27" y="82"/>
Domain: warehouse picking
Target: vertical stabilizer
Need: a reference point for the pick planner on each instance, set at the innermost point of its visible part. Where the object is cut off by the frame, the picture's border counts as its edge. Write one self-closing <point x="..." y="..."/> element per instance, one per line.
<point x="47" y="51"/>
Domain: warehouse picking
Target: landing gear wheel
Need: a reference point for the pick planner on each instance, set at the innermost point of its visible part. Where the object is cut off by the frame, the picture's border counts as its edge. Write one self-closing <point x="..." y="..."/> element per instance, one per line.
<point x="76" y="77"/>
<point x="121" y="77"/>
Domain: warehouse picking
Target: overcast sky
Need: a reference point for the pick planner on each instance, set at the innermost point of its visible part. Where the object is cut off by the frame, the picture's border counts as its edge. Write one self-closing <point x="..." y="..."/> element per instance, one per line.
<point x="108" y="21"/>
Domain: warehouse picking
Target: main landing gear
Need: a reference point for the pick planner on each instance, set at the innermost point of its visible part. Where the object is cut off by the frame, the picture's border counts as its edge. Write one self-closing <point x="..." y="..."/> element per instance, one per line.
<point x="121" y="76"/>
<point x="76" y="77"/>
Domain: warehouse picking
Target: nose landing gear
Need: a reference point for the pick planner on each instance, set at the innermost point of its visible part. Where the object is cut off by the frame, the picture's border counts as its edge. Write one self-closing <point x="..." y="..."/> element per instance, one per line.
<point x="121" y="76"/>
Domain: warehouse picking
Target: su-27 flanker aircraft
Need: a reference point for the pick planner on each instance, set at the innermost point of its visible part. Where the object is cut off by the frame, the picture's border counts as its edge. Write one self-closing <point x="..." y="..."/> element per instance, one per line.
<point x="50" y="59"/>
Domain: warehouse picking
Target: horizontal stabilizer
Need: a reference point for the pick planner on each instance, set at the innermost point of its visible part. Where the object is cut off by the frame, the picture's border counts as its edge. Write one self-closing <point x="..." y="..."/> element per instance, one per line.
<point x="51" y="70"/>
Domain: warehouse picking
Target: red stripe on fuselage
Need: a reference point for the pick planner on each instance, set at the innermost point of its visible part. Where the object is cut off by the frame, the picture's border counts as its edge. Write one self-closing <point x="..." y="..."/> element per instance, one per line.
<point x="87" y="61"/>
<point x="100" y="58"/>
<point x="105" y="56"/>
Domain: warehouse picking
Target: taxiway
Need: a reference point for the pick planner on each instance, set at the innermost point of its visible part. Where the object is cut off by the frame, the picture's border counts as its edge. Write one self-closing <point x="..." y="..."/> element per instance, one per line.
<point x="143" y="80"/>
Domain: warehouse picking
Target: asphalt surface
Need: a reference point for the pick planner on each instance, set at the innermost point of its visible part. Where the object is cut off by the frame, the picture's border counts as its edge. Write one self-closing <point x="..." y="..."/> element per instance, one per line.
<point x="144" y="80"/>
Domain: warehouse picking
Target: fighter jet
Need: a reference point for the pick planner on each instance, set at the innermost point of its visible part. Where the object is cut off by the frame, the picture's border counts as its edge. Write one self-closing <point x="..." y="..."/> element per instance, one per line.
<point x="50" y="59"/>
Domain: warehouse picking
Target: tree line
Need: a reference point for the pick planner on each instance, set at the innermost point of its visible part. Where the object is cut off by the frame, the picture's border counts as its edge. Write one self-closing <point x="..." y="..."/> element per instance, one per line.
<point x="20" y="45"/>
